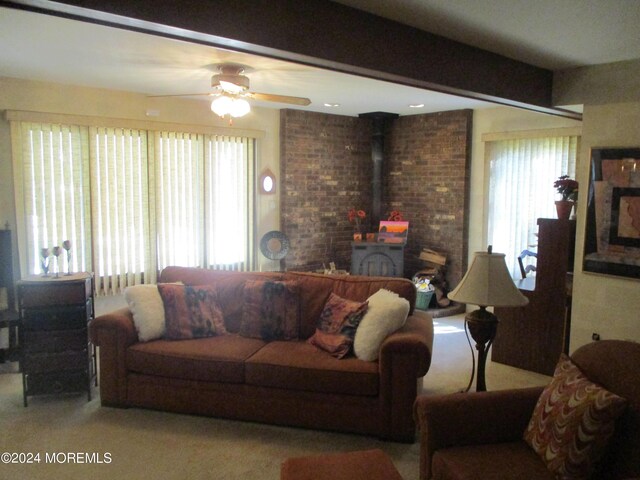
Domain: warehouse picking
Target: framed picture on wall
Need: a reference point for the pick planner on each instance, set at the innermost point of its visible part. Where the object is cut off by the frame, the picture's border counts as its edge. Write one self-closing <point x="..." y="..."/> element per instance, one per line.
<point x="612" y="232"/>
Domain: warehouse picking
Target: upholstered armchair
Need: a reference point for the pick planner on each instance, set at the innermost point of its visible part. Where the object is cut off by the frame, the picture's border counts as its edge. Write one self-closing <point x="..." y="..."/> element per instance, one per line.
<point x="479" y="435"/>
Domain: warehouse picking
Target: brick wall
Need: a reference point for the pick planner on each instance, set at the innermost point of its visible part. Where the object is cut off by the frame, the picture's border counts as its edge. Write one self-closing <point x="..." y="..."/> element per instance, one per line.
<point x="426" y="177"/>
<point x="326" y="170"/>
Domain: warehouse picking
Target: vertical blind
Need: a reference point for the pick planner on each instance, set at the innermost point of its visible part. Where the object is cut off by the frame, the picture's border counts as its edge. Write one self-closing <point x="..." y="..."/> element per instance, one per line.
<point x="179" y="205"/>
<point x="522" y="173"/>
<point x="55" y="162"/>
<point x="229" y="203"/>
<point x="132" y="206"/>
<point x="120" y="208"/>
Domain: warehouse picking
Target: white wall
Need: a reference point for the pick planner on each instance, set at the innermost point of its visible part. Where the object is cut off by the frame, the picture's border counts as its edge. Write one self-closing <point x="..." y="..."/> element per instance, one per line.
<point x="607" y="305"/>
<point x="17" y="94"/>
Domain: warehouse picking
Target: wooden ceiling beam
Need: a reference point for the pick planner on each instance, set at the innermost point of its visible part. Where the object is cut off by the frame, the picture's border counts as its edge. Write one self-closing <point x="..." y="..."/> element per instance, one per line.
<point x="329" y="35"/>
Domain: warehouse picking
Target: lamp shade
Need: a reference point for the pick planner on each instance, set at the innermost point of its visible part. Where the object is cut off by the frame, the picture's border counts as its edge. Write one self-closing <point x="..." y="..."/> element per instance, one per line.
<point x="488" y="283"/>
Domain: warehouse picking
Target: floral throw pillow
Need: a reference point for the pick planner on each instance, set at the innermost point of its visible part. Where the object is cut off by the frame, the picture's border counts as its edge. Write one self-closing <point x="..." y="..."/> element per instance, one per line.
<point x="270" y="310"/>
<point x="572" y="422"/>
<point x="191" y="311"/>
<point x="337" y="325"/>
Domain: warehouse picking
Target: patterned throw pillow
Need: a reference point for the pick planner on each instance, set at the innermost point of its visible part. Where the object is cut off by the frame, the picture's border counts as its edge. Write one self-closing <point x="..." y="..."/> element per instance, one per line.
<point x="572" y="422"/>
<point x="191" y="311"/>
<point x="337" y="325"/>
<point x="271" y="310"/>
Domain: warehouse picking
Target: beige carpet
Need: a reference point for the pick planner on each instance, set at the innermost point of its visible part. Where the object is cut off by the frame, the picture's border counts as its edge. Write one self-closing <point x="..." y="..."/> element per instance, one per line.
<point x="142" y="444"/>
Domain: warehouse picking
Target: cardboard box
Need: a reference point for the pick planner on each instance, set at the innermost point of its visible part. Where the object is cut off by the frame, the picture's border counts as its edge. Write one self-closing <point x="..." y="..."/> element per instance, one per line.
<point x="432" y="257"/>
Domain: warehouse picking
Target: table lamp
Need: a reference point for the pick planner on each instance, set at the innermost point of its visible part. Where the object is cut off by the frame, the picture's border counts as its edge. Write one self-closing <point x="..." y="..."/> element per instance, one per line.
<point x="487" y="283"/>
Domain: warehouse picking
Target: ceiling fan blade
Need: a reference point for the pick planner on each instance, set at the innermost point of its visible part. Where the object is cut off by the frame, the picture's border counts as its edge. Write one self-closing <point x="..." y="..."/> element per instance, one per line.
<point x="267" y="97"/>
<point x="212" y="94"/>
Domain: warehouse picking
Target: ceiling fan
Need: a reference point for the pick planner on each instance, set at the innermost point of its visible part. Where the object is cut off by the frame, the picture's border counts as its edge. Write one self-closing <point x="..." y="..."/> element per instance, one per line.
<point x="231" y="89"/>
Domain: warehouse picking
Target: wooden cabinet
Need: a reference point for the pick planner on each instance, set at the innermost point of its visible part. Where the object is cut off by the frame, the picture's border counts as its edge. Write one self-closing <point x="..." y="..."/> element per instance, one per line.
<point x="377" y="259"/>
<point x="533" y="337"/>
<point x="57" y="356"/>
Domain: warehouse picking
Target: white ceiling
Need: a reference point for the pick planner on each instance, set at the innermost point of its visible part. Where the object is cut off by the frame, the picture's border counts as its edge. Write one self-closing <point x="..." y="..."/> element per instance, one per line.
<point x="548" y="33"/>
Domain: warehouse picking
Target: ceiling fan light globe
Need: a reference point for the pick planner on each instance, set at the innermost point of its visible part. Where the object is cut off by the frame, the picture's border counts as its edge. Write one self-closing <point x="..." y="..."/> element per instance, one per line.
<point x="239" y="107"/>
<point x="221" y="105"/>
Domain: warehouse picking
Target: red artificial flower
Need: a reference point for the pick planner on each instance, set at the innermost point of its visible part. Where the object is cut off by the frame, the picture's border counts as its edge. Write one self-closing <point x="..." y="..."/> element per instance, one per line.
<point x="395" y="216"/>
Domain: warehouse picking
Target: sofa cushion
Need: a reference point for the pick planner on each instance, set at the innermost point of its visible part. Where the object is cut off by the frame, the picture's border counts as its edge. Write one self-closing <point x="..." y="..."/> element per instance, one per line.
<point x="297" y="365"/>
<point x="386" y="313"/>
<point x="271" y="310"/>
<point x="212" y="359"/>
<point x="147" y="309"/>
<point x="316" y="288"/>
<point x="230" y="286"/>
<point x="191" y="311"/>
<point x="498" y="461"/>
<point x="572" y="422"/>
<point x="337" y="325"/>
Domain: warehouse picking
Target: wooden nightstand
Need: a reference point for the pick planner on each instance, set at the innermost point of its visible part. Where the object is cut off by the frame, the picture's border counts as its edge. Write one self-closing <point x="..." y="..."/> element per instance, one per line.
<point x="56" y="356"/>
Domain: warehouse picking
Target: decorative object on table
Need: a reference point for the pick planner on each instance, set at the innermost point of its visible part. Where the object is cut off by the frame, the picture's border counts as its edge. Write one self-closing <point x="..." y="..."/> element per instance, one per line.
<point x="612" y="234"/>
<point x="356" y="217"/>
<point x="67" y="246"/>
<point x="393" y="232"/>
<point x="44" y="261"/>
<point x="56" y="251"/>
<point x="487" y="283"/>
<point x="568" y="189"/>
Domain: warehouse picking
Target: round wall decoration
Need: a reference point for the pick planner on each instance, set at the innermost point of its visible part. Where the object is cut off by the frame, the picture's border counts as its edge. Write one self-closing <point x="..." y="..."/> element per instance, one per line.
<point x="274" y="245"/>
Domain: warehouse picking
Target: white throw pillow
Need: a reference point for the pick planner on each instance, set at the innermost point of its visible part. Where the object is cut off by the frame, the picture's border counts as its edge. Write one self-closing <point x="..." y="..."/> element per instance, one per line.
<point x="387" y="312"/>
<point x="147" y="308"/>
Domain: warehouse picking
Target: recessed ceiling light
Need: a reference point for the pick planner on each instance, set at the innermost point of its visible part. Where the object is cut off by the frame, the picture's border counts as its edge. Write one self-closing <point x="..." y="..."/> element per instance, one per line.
<point x="331" y="105"/>
<point x="416" y="105"/>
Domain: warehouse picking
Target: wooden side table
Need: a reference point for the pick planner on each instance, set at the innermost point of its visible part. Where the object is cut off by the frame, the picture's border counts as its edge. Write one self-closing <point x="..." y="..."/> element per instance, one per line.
<point x="56" y="356"/>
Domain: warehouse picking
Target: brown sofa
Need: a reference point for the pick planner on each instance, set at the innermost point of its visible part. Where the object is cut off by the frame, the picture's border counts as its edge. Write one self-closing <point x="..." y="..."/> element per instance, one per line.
<point x="279" y="382"/>
<point x="480" y="435"/>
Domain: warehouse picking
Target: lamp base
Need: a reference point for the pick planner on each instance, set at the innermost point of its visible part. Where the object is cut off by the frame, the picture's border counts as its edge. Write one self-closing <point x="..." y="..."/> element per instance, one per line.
<point x="483" y="326"/>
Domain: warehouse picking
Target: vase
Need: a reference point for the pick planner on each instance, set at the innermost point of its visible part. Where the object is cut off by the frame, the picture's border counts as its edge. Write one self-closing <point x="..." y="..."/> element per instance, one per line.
<point x="563" y="208"/>
<point x="357" y="237"/>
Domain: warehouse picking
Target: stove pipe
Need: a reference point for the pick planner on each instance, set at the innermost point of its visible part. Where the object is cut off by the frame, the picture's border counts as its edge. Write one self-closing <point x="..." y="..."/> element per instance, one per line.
<point x="379" y="122"/>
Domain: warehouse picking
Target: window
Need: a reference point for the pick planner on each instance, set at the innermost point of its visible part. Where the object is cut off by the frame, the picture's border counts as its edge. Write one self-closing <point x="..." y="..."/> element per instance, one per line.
<point x="134" y="201"/>
<point x="522" y="173"/>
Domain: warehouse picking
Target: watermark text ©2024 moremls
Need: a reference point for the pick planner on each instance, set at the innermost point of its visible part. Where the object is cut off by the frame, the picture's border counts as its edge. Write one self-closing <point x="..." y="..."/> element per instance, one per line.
<point x="56" y="457"/>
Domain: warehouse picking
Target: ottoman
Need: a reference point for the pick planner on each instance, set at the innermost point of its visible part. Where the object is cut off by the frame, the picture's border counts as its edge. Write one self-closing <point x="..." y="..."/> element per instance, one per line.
<point x="360" y="465"/>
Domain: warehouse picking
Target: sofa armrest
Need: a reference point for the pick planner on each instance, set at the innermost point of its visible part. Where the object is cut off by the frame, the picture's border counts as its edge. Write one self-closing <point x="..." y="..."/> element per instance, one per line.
<point x="416" y="338"/>
<point x="405" y="357"/>
<point x="472" y="418"/>
<point x="113" y="333"/>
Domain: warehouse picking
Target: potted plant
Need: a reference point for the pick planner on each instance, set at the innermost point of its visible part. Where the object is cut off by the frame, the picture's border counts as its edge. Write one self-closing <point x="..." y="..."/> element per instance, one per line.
<point x="568" y="189"/>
